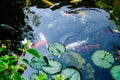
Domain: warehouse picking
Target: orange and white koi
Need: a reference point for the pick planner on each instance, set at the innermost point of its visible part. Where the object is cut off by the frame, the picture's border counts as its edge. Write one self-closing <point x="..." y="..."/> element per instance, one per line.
<point x="42" y="42"/>
<point x="88" y="47"/>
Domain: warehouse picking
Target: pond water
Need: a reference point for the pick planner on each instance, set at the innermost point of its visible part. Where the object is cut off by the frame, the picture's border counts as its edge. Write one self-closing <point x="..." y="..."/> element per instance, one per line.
<point x="66" y="26"/>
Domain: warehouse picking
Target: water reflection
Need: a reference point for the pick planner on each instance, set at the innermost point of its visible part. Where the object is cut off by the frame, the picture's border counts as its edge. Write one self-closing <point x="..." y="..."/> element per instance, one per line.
<point x="67" y="28"/>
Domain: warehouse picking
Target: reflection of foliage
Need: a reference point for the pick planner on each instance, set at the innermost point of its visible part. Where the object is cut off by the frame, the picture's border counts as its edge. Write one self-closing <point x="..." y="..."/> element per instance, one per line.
<point x="108" y="5"/>
<point x="89" y="71"/>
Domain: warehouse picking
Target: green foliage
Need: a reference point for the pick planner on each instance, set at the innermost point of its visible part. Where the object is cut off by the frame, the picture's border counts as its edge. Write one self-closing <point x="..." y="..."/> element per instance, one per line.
<point x="56" y="49"/>
<point x="37" y="63"/>
<point x="115" y="72"/>
<point x="34" y="52"/>
<point x="41" y="76"/>
<point x="102" y="59"/>
<point x="7" y="66"/>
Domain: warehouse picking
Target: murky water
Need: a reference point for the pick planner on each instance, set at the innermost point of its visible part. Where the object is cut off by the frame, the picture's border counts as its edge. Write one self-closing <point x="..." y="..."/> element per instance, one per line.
<point x="66" y="28"/>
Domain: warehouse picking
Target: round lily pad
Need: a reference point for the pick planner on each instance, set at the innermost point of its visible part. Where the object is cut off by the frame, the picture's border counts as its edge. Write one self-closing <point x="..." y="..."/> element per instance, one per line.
<point x="40" y="76"/>
<point x="37" y="63"/>
<point x="53" y="67"/>
<point x="115" y="72"/>
<point x="56" y="49"/>
<point x="58" y="77"/>
<point x="102" y="59"/>
<point x="71" y="73"/>
<point x="34" y="77"/>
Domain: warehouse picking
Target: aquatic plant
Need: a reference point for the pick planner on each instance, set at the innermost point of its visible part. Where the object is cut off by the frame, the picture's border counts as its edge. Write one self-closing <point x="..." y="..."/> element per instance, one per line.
<point x="40" y="76"/>
<point x="102" y="59"/>
<point x="115" y="72"/>
<point x="56" y="49"/>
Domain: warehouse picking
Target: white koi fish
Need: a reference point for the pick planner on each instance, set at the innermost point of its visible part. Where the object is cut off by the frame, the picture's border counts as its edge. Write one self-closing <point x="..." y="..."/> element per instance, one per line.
<point x="76" y="44"/>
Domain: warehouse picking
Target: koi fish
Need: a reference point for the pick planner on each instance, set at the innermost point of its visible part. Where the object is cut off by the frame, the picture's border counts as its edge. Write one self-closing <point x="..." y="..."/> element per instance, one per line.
<point x="42" y="42"/>
<point x="88" y="46"/>
<point x="118" y="55"/>
<point x="76" y="44"/>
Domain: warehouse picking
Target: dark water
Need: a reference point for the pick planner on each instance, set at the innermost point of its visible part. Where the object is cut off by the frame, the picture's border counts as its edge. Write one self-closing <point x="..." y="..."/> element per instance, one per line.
<point x="58" y="26"/>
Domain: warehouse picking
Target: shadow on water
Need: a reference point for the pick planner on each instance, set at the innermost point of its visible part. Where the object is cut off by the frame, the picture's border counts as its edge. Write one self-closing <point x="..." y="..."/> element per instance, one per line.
<point x="67" y="26"/>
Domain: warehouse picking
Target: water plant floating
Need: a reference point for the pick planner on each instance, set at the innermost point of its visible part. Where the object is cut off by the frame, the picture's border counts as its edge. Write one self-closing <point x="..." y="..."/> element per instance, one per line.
<point x="102" y="59"/>
<point x="53" y="67"/>
<point x="56" y="49"/>
<point x="115" y="72"/>
<point x="71" y="73"/>
<point x="40" y="76"/>
<point x="37" y="63"/>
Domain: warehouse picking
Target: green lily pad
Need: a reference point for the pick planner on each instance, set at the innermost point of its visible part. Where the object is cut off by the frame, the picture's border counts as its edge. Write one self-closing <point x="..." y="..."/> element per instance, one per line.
<point x="37" y="63"/>
<point x="102" y="59"/>
<point x="71" y="73"/>
<point x="40" y="76"/>
<point x="58" y="77"/>
<point x="53" y="67"/>
<point x="34" y="77"/>
<point x="115" y="72"/>
<point x="56" y="49"/>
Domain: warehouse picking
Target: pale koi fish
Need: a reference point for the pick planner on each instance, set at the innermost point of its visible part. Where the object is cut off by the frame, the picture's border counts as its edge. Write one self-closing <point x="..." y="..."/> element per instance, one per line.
<point x="42" y="42"/>
<point x="76" y="44"/>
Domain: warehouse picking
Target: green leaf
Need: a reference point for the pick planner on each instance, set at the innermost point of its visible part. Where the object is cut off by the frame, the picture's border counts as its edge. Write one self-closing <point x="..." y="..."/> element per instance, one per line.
<point x="102" y="59"/>
<point x="34" y="52"/>
<point x="58" y="77"/>
<point x="71" y="73"/>
<point x="56" y="49"/>
<point x="53" y="67"/>
<point x="16" y="75"/>
<point x="2" y="68"/>
<point x="115" y="72"/>
<point x="42" y="76"/>
<point x="37" y="63"/>
<point x="26" y="61"/>
<point x="20" y="49"/>
<point x="34" y="77"/>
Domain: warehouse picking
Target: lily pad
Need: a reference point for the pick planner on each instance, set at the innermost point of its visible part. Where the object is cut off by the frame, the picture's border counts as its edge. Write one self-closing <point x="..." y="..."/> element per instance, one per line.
<point x="56" y="49"/>
<point x="102" y="59"/>
<point x="71" y="73"/>
<point x="40" y="76"/>
<point x="53" y="67"/>
<point x="115" y="72"/>
<point x="37" y="63"/>
<point x="58" y="77"/>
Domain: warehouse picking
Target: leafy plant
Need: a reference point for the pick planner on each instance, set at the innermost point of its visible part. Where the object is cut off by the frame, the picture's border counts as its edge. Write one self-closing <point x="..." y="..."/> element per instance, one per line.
<point x="115" y="72"/>
<point x="40" y="76"/>
<point x="102" y="59"/>
<point x="56" y="49"/>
